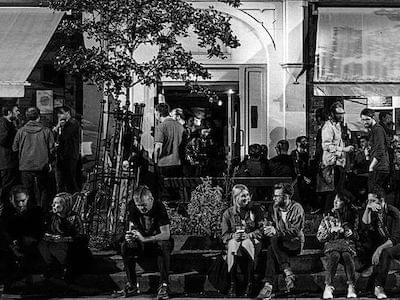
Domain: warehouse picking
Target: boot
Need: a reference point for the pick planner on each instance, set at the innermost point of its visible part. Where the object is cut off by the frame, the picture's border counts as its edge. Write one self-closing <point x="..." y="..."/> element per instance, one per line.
<point x="232" y="290"/>
<point x="328" y="292"/>
<point x="351" y="291"/>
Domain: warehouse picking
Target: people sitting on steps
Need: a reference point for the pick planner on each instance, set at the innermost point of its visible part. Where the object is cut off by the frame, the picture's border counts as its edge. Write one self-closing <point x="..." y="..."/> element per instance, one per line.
<point x="148" y="235"/>
<point x="286" y="238"/>
<point x="242" y="229"/>
<point x="338" y="232"/>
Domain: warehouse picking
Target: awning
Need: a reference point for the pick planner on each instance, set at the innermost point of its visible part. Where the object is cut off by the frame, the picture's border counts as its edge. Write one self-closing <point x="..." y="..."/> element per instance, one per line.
<point x="357" y="52"/>
<point x="24" y="34"/>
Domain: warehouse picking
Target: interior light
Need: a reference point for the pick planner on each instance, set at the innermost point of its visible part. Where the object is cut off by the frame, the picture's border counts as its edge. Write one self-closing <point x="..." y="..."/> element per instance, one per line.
<point x="230" y="91"/>
<point x="220" y="103"/>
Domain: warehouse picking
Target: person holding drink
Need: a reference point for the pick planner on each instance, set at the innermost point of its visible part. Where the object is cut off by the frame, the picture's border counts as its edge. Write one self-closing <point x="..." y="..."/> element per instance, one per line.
<point x="286" y="238"/>
<point x="148" y="236"/>
<point x="241" y="232"/>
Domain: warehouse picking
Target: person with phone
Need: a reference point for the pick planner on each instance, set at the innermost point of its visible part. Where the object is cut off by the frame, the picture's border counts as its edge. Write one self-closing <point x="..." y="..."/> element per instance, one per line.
<point x="286" y="238"/>
<point x="148" y="236"/>
<point x="241" y="232"/>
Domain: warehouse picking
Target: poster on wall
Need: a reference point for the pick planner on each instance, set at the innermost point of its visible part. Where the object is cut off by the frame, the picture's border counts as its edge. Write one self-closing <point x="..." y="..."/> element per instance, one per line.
<point x="44" y="101"/>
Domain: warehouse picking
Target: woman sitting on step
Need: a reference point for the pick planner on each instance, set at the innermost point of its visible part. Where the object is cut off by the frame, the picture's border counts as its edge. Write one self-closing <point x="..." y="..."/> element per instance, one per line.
<point x="241" y="232"/>
<point x="338" y="231"/>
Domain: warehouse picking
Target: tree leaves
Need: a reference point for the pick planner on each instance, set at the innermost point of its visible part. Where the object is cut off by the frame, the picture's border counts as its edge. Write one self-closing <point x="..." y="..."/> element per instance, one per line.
<point x="121" y="27"/>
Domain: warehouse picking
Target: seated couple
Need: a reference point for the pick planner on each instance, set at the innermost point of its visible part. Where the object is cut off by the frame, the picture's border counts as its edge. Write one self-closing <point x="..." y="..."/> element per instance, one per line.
<point x="243" y="227"/>
<point x="26" y="230"/>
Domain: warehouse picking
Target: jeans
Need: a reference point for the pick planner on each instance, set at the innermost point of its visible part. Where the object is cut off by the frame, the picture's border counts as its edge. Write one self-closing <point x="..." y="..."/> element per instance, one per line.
<point x="278" y="254"/>
<point x="131" y="252"/>
<point x="51" y="251"/>
<point x="66" y="170"/>
<point x="382" y="269"/>
<point x="333" y="258"/>
<point x="36" y="182"/>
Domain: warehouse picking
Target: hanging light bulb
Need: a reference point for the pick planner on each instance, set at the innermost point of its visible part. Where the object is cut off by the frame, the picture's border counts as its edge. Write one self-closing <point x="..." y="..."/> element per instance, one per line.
<point x="230" y="91"/>
<point x="220" y="103"/>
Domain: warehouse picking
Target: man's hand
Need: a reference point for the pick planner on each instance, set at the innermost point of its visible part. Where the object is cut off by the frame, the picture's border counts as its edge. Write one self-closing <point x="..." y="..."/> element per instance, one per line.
<point x="348" y="233"/>
<point x="129" y="237"/>
<point x="374" y="206"/>
<point x="307" y="180"/>
<point x="138" y="235"/>
<point x="269" y="231"/>
<point x="348" y="149"/>
<point x="376" y="256"/>
<point x="337" y="229"/>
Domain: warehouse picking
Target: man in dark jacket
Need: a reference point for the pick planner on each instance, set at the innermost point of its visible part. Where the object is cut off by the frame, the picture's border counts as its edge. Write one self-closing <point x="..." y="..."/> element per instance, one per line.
<point x="8" y="158"/>
<point x="383" y="222"/>
<point x="379" y="167"/>
<point x="282" y="164"/>
<point x="68" y="151"/>
<point x="35" y="145"/>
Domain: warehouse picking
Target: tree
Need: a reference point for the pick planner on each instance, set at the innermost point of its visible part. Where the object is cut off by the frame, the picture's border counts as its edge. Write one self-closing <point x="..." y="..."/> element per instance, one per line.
<point x="121" y="28"/>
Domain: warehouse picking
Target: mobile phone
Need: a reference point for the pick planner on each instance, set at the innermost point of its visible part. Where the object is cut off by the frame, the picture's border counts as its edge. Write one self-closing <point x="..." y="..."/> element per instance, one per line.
<point x="240" y="231"/>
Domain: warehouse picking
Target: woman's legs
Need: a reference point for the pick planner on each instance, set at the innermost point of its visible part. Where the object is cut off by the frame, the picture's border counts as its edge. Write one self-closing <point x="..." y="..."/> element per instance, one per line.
<point x="333" y="258"/>
<point x="349" y="266"/>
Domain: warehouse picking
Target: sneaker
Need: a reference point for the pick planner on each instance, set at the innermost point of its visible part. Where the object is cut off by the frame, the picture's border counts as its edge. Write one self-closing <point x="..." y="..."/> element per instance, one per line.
<point x="380" y="293"/>
<point x="367" y="272"/>
<point x="163" y="292"/>
<point x="328" y="292"/>
<point x="351" y="291"/>
<point x="289" y="280"/>
<point x="266" y="292"/>
<point x="128" y="291"/>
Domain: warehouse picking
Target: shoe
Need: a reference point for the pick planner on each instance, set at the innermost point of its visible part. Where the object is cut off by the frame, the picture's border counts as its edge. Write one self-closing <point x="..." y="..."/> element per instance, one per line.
<point x="128" y="291"/>
<point x="380" y="293"/>
<point x="249" y="291"/>
<point x="289" y="280"/>
<point x="232" y="290"/>
<point x="266" y="292"/>
<point x="367" y="272"/>
<point x="328" y="292"/>
<point x="163" y="292"/>
<point x="351" y="291"/>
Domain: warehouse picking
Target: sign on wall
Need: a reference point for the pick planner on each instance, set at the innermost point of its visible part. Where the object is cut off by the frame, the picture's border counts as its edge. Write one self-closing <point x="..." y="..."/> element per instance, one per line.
<point x="44" y="101"/>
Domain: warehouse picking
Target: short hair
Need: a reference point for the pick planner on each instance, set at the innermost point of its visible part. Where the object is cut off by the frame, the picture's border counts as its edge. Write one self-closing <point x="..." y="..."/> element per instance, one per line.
<point x="19" y="189"/>
<point x="286" y="188"/>
<point x="63" y="109"/>
<point x="368" y="112"/>
<point x="383" y="114"/>
<point x="32" y="113"/>
<point x="163" y="109"/>
<point x="6" y="109"/>
<point x="179" y="112"/>
<point x="334" y="106"/>
<point x="255" y="150"/>
<point x="299" y="138"/>
<point x="140" y="192"/>
<point x="283" y="145"/>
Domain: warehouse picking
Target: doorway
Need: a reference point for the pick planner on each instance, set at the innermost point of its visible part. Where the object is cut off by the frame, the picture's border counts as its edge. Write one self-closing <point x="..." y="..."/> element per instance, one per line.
<point x="222" y="114"/>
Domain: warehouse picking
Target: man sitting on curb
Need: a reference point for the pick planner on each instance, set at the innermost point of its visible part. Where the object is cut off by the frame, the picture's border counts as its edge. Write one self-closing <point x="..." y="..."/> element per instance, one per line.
<point x="287" y="238"/>
<point x="148" y="236"/>
<point x="384" y="222"/>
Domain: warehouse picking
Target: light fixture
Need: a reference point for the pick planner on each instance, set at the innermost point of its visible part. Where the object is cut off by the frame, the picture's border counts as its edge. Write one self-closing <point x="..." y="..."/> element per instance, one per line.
<point x="295" y="70"/>
<point x="230" y="92"/>
<point x="219" y="103"/>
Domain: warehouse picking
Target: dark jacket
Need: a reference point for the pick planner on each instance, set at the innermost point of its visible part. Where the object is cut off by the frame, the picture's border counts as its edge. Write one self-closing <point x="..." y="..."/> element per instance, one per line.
<point x="282" y="166"/>
<point x="392" y="222"/>
<point x="35" y="145"/>
<point x="379" y="148"/>
<point x="68" y="141"/>
<point x="8" y="158"/>
<point x="27" y="224"/>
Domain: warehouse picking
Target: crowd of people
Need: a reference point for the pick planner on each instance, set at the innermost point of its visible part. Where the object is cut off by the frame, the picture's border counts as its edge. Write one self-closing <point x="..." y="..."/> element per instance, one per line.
<point x="38" y="174"/>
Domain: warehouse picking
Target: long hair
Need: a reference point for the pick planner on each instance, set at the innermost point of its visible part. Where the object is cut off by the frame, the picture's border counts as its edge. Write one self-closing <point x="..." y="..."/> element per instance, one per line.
<point x="347" y="213"/>
<point x="236" y="191"/>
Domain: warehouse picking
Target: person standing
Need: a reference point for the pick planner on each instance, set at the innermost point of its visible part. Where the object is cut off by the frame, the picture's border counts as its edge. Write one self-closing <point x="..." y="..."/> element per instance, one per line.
<point x="168" y="138"/>
<point x="35" y="145"/>
<point x="8" y="158"/>
<point x="379" y="167"/>
<point x="68" y="150"/>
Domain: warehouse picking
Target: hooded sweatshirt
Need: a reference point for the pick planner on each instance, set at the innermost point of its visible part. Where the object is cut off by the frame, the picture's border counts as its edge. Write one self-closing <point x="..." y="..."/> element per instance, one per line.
<point x="35" y="145"/>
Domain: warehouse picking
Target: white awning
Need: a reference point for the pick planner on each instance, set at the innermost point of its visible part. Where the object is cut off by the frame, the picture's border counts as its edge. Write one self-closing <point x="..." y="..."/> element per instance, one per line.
<point x="357" y="52"/>
<point x="24" y="34"/>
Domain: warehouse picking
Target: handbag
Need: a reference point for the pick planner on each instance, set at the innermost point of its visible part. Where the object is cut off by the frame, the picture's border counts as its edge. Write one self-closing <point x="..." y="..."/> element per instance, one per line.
<point x="218" y="275"/>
